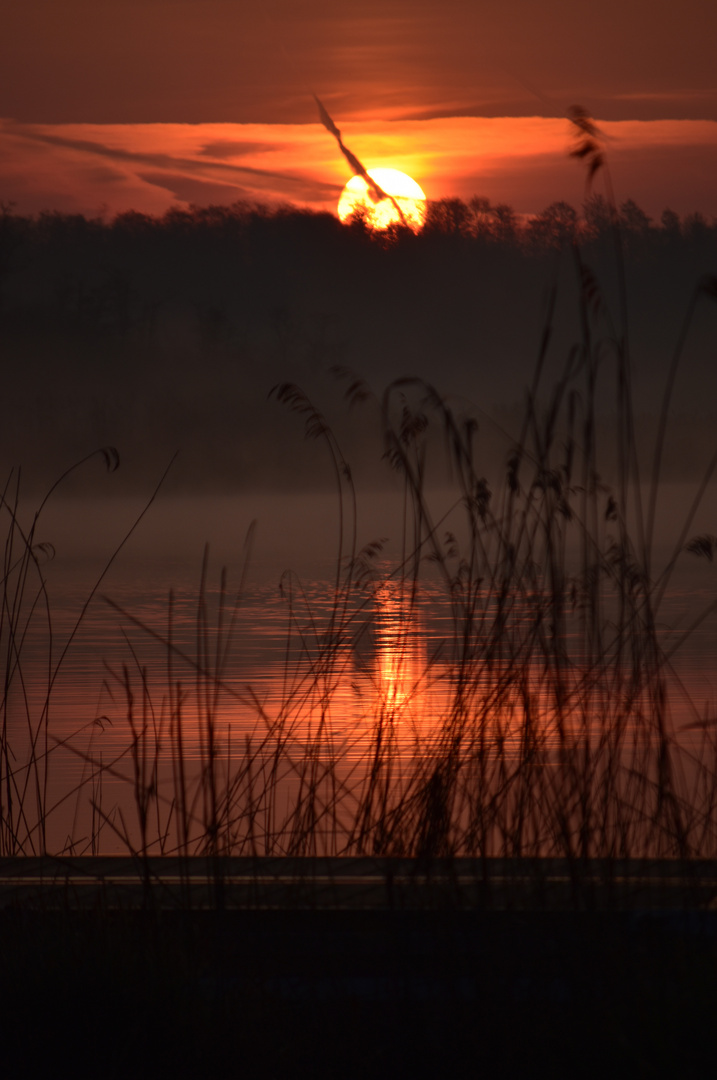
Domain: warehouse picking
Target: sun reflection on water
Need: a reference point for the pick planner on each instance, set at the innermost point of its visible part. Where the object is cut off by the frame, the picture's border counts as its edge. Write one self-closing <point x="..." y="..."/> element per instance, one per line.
<point x="376" y="691"/>
<point x="400" y="648"/>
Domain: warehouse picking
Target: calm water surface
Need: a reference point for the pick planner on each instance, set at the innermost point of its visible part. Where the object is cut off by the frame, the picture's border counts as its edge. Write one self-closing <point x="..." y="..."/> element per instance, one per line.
<point x="292" y="658"/>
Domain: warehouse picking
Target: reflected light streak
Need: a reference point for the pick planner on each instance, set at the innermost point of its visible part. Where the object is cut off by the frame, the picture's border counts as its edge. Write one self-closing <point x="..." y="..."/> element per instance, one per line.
<point x="400" y="649"/>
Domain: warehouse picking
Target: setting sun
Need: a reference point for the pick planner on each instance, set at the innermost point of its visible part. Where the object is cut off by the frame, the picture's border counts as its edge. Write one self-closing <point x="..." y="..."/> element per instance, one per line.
<point x="403" y="192"/>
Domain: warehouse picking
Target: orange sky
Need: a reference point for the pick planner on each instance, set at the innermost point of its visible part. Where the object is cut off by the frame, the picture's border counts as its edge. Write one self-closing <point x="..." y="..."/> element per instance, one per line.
<point x="95" y="168"/>
<point x="118" y="104"/>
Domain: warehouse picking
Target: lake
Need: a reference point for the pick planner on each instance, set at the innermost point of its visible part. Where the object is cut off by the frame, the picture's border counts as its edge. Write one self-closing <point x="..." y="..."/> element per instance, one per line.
<point x="283" y="712"/>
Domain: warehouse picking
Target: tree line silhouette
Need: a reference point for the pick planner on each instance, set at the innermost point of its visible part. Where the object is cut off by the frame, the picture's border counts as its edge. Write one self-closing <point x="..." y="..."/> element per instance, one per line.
<point x="164" y="330"/>
<point x="478" y="219"/>
<point x="124" y="271"/>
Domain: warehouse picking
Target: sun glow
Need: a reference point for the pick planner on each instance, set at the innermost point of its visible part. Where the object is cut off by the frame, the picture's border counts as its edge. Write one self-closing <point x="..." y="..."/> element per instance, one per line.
<point x="356" y="198"/>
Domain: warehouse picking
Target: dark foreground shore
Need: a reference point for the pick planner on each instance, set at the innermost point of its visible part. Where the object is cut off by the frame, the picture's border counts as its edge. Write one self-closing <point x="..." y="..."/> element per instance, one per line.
<point x="294" y="992"/>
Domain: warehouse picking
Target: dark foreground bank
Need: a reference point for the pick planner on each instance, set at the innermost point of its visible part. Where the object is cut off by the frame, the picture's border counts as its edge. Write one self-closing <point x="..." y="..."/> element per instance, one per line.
<point x="357" y="993"/>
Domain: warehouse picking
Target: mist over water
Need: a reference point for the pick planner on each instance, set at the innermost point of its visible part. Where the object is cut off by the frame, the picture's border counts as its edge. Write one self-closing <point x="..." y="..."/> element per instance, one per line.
<point x="158" y="338"/>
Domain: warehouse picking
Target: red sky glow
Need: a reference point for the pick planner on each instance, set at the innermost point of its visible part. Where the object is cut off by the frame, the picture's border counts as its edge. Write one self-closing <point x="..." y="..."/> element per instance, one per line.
<point x="143" y="105"/>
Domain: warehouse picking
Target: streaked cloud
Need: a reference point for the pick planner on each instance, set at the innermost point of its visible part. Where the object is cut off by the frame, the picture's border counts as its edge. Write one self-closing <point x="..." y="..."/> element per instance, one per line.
<point x="519" y="160"/>
<point x="185" y="189"/>
<point x="231" y="148"/>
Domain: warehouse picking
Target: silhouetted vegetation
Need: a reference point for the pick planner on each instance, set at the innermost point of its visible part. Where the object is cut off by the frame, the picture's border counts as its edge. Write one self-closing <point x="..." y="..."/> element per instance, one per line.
<point x="119" y="275"/>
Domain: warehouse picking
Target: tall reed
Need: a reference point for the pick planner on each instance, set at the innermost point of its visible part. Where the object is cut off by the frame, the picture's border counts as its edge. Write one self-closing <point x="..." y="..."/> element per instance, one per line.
<point x="28" y="743"/>
<point x="554" y="731"/>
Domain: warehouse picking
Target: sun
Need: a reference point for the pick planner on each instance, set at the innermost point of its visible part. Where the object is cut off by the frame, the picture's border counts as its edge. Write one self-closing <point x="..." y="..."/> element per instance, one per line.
<point x="356" y="198"/>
